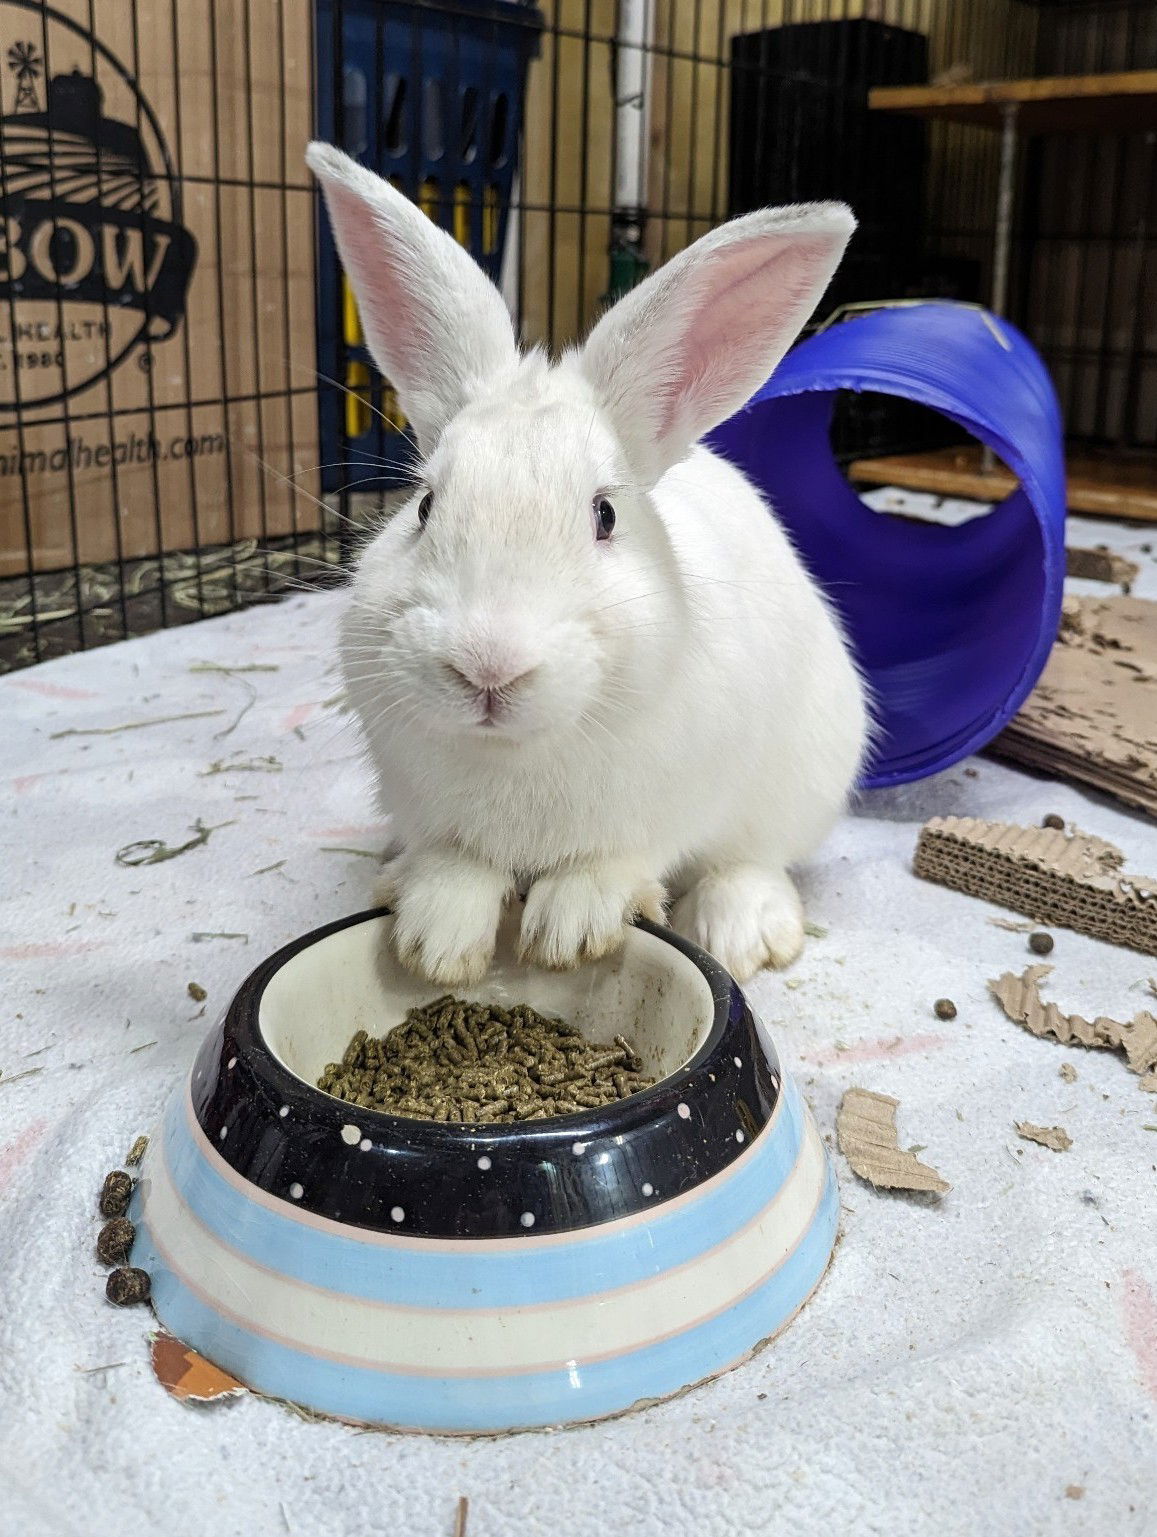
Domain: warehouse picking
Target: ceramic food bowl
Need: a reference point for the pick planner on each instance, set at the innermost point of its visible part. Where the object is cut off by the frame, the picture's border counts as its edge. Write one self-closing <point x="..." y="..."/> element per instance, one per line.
<point x="479" y="1278"/>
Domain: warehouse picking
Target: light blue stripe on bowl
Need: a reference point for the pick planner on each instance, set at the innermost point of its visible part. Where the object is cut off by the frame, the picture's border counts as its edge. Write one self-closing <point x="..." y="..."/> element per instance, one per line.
<point x="484" y="1404"/>
<point x="424" y="1274"/>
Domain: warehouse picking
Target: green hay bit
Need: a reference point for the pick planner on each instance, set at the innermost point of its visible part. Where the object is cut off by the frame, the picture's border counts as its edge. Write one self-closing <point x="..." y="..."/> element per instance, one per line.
<point x="154" y="851"/>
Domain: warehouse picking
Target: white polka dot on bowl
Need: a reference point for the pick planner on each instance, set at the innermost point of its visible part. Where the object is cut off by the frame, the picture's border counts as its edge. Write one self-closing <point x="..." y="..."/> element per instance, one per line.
<point x="648" y="1189"/>
<point x="738" y="1061"/>
<point x="365" y="1144"/>
<point x="223" y="1133"/>
<point x="231" y="1064"/>
<point x="578" y="1149"/>
<point x="397" y="1214"/>
<point x="684" y="1111"/>
<point x="283" y="1112"/>
<point x="484" y="1162"/>
<point x="527" y="1219"/>
<point x="739" y="1137"/>
<point x="351" y="1133"/>
<point x="296" y="1191"/>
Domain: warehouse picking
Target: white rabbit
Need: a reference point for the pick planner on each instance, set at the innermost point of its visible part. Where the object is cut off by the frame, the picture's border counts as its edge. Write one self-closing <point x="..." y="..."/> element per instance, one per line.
<point x="587" y="661"/>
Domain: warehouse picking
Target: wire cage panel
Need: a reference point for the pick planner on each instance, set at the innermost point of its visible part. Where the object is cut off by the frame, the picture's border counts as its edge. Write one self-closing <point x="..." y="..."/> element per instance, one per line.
<point x="801" y="129"/>
<point x="1086" y="286"/>
<point x="144" y="347"/>
<point x="432" y="99"/>
<point x="156" y="246"/>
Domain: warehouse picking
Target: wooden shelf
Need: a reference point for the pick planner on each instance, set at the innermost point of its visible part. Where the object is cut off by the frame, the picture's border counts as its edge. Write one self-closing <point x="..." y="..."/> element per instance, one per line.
<point x="1116" y="103"/>
<point x="1109" y="485"/>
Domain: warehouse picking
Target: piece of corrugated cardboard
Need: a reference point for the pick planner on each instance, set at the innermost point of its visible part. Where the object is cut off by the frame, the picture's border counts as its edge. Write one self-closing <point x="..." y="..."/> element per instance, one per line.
<point x="1101" y="565"/>
<point x="1054" y="1137"/>
<point x="1019" y="997"/>
<point x="866" y="1132"/>
<point x="1055" y="876"/>
<point x="1093" y="715"/>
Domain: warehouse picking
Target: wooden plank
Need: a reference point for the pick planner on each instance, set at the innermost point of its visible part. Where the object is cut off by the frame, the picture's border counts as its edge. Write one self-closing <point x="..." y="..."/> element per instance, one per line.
<point x="1103" y="485"/>
<point x="1125" y="102"/>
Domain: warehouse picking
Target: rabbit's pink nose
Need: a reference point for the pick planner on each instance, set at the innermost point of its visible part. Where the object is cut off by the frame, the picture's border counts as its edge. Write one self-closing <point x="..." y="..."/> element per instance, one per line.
<point x="488" y="677"/>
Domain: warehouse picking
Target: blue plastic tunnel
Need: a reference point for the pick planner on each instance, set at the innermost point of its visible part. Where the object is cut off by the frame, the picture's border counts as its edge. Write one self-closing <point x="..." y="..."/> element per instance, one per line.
<point x="951" y="625"/>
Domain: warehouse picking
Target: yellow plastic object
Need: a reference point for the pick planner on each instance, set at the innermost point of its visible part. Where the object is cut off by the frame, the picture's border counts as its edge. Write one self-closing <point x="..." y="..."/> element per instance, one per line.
<point x="489" y="220"/>
<point x="428" y="198"/>
<point x="391" y="411"/>
<point x="351" y="325"/>
<point x="358" y="409"/>
<point x="462" y="214"/>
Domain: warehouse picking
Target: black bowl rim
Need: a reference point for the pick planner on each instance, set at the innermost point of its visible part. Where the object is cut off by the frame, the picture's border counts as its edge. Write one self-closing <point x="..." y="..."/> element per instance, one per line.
<point x="278" y="1132"/>
<point x="245" y="1010"/>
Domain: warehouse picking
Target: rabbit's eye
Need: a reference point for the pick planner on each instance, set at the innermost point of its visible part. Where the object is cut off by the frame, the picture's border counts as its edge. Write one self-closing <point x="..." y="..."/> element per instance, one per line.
<point x="604" y="518"/>
<point x="424" y="509"/>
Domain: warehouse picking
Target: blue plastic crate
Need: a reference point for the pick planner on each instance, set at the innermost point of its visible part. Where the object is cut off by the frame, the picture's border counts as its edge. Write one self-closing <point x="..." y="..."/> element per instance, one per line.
<point x="431" y="96"/>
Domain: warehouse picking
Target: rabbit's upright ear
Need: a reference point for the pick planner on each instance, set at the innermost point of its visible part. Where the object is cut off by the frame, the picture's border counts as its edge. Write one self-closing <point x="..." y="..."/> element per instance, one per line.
<point x="687" y="347"/>
<point x="434" y="323"/>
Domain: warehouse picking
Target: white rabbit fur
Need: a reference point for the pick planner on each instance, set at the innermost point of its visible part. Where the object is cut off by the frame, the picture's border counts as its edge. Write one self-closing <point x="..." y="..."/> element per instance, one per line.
<point x="670" y="713"/>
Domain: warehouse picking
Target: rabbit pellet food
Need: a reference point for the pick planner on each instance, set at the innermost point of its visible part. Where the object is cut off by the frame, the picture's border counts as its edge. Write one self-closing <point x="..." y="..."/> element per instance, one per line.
<point x="456" y="1061"/>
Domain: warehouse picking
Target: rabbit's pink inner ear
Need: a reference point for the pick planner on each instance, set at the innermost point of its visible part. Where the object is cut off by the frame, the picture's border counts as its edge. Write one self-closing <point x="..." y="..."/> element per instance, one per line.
<point x="753" y="301"/>
<point x="435" y="324"/>
<point x="694" y="341"/>
<point x="396" y="324"/>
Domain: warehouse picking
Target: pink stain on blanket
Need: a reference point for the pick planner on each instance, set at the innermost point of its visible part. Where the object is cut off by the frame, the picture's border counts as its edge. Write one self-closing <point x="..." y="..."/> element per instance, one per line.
<point x="24" y="782"/>
<point x="1140" y="1310"/>
<point x="51" y="950"/>
<point x="52" y="690"/>
<point x="14" y="1154"/>
<point x="298" y="716"/>
<point x="875" y="1051"/>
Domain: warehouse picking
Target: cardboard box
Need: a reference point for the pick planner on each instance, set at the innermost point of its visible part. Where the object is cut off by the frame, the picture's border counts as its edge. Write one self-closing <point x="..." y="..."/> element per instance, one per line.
<point x="157" y="293"/>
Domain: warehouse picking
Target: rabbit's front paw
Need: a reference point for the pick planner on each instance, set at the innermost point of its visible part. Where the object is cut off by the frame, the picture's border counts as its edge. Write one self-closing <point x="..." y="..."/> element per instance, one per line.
<point x="579" y="914"/>
<point x="448" y="909"/>
<point x="746" y="917"/>
<point x="389" y="872"/>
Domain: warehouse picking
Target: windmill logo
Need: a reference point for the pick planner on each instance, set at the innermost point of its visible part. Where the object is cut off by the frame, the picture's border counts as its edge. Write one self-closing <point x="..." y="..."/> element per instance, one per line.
<point x="95" y="261"/>
<point x="27" y="66"/>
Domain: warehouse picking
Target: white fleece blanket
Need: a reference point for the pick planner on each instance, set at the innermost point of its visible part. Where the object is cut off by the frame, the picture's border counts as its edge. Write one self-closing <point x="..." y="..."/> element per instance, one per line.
<point x="987" y="1364"/>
